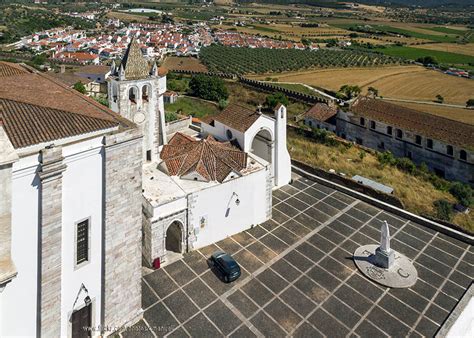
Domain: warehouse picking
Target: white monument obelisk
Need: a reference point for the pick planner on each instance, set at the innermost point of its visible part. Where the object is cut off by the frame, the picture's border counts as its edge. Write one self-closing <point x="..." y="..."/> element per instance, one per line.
<point x="384" y="256"/>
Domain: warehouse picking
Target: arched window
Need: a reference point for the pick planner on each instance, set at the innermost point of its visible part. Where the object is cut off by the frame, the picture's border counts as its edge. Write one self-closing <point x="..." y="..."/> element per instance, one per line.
<point x="418" y="139"/>
<point x="362" y="121"/>
<point x="389" y="130"/>
<point x="449" y="150"/>
<point x="372" y="124"/>
<point x="132" y="95"/>
<point x="146" y="92"/>
<point x="463" y="155"/>
<point x="114" y="92"/>
<point x="429" y="143"/>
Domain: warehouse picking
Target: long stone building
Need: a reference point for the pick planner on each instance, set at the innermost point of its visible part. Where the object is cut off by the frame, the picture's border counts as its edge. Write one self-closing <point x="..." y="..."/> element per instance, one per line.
<point x="70" y="210"/>
<point x="446" y="146"/>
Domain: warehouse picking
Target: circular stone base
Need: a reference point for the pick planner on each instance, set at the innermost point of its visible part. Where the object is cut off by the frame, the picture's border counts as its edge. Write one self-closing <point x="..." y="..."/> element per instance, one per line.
<point x="402" y="274"/>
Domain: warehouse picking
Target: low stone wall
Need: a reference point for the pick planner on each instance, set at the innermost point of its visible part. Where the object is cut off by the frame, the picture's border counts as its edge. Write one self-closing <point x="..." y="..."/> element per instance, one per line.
<point x="178" y="125"/>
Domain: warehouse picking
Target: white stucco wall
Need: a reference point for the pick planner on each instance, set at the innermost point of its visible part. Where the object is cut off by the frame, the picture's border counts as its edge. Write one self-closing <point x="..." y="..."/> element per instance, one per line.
<point x="223" y="218"/>
<point x="18" y="300"/>
<point x="82" y="198"/>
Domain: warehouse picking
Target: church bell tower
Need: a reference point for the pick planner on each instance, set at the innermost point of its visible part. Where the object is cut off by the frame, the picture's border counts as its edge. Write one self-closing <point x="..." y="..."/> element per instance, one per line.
<point x="135" y="91"/>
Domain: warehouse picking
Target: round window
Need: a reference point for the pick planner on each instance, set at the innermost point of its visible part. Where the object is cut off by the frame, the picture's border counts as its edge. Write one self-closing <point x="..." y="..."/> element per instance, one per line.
<point x="229" y="134"/>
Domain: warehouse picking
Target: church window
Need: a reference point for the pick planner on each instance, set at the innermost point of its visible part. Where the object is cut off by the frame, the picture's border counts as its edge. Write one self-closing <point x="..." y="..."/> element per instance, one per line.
<point x="114" y="92"/>
<point x="82" y="242"/>
<point x="132" y="95"/>
<point x="372" y="124"/>
<point x="418" y="139"/>
<point x="449" y="150"/>
<point x="399" y="133"/>
<point x="429" y="143"/>
<point x="362" y="121"/>
<point x="389" y="130"/>
<point x="463" y="155"/>
<point x="145" y="92"/>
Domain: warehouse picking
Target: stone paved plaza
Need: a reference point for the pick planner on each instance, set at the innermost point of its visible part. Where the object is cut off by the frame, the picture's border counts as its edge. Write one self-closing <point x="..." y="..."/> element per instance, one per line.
<point x="298" y="278"/>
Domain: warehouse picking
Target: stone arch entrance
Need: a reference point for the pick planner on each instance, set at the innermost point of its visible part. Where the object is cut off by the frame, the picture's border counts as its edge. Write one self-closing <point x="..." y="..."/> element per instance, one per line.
<point x="263" y="147"/>
<point x="174" y="238"/>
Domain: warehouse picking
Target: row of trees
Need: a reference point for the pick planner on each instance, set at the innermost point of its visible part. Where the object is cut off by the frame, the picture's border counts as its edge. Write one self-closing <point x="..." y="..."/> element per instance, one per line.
<point x="238" y="60"/>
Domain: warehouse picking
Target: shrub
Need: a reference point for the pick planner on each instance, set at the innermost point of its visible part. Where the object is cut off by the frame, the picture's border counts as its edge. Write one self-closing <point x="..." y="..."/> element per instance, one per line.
<point x="170" y="116"/>
<point x="223" y="103"/>
<point x="470" y="103"/>
<point x="323" y="137"/>
<point x="79" y="86"/>
<point x="463" y="193"/>
<point x="444" y="210"/>
<point x="406" y="165"/>
<point x="386" y="158"/>
<point x="274" y="99"/>
<point x="101" y="100"/>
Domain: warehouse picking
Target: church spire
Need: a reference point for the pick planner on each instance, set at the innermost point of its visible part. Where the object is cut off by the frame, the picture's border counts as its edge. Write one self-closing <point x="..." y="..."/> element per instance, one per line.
<point x="134" y="63"/>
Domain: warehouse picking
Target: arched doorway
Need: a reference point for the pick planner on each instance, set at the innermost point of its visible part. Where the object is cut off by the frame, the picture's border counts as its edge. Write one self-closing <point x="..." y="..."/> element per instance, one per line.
<point x="262" y="145"/>
<point x="174" y="238"/>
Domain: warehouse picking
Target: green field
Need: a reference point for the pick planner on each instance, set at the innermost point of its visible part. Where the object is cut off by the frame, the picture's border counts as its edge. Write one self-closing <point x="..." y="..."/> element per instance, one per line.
<point x="449" y="37"/>
<point x="445" y="30"/>
<point x="192" y="106"/>
<point x="295" y="87"/>
<point x="415" y="53"/>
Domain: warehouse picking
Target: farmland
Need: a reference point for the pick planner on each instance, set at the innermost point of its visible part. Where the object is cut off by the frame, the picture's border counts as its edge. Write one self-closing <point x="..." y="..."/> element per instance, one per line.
<point x="465" y="49"/>
<point x="261" y="60"/>
<point x="409" y="82"/>
<point x="184" y="64"/>
<point x="415" y="53"/>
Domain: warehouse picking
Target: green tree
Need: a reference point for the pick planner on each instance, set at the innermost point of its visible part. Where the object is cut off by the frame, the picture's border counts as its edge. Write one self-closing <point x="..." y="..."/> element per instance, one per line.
<point x="208" y="87"/>
<point x="39" y="59"/>
<point x="349" y="91"/>
<point x="373" y="91"/>
<point x="470" y="103"/>
<point x="439" y="98"/>
<point x="79" y="86"/>
<point x="427" y="60"/>
<point x="274" y="99"/>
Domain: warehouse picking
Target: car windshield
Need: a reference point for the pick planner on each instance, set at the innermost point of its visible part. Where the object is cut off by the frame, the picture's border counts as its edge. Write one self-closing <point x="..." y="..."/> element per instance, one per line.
<point x="228" y="261"/>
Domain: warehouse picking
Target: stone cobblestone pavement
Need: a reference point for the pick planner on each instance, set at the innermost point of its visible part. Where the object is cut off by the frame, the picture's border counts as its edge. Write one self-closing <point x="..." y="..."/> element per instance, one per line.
<point x="298" y="278"/>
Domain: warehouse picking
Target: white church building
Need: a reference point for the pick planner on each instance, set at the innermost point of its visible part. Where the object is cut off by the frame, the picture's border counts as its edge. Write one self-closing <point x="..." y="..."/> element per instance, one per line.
<point x="86" y="192"/>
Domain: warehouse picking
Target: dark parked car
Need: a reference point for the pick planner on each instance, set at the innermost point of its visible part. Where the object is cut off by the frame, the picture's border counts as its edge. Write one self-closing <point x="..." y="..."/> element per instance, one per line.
<point x="226" y="266"/>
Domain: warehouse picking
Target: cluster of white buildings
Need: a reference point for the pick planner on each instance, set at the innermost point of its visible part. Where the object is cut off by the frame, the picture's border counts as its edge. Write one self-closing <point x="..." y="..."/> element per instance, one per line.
<point x="87" y="192"/>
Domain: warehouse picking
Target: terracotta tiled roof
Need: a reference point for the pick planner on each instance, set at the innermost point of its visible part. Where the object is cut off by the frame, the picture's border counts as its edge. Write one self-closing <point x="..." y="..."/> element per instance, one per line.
<point x="235" y="116"/>
<point x="38" y="108"/>
<point x="10" y="69"/>
<point x="211" y="159"/>
<point x="428" y="125"/>
<point x="134" y="63"/>
<point x="321" y="112"/>
<point x="27" y="124"/>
